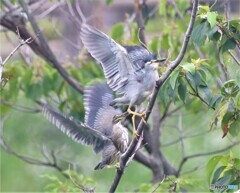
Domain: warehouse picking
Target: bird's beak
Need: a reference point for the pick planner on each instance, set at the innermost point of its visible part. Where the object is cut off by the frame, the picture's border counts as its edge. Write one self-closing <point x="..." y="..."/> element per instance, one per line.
<point x="156" y="62"/>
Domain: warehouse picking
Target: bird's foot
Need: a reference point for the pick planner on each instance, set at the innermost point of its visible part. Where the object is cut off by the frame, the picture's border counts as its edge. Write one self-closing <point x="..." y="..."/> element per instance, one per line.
<point x="117" y="165"/>
<point x="135" y="134"/>
<point x="141" y="115"/>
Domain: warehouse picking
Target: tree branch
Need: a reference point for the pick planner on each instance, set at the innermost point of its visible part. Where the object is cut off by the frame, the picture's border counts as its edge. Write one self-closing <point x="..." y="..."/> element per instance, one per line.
<point x="204" y="154"/>
<point x="22" y="42"/>
<point x="50" y="56"/>
<point x="28" y="159"/>
<point x="159" y="83"/>
<point x="139" y="20"/>
<point x="41" y="48"/>
<point x="234" y="57"/>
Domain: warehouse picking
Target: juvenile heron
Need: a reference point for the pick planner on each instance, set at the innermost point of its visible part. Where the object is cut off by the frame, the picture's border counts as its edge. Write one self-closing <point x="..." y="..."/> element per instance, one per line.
<point x="131" y="71"/>
<point x="98" y="129"/>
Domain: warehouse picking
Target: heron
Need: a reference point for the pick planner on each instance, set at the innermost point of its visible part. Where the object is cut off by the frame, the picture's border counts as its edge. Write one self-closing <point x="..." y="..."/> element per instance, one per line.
<point x="97" y="129"/>
<point x="131" y="71"/>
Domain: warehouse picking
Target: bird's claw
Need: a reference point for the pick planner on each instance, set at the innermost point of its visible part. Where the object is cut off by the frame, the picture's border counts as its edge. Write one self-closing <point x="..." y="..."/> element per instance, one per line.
<point x="135" y="134"/>
<point x="143" y="117"/>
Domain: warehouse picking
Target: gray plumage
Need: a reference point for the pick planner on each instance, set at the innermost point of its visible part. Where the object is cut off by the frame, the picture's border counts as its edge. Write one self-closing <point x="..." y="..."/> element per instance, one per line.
<point x="98" y="129"/>
<point x="129" y="70"/>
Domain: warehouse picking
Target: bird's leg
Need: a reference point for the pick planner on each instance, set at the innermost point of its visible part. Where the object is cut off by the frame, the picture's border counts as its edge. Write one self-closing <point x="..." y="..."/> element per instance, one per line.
<point x="142" y="115"/>
<point x="135" y="134"/>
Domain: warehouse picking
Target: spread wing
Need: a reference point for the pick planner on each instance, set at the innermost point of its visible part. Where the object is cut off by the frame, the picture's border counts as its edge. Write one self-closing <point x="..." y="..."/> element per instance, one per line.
<point x="98" y="113"/>
<point x="113" y="57"/>
<point x="75" y="129"/>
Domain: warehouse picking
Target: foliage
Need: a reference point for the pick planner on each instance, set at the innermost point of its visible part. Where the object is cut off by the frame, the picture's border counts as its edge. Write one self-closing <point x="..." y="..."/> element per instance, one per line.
<point x="223" y="170"/>
<point x="76" y="183"/>
<point x="193" y="84"/>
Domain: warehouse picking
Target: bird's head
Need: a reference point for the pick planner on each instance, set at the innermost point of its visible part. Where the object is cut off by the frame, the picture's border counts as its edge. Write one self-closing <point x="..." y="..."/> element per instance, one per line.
<point x="152" y="61"/>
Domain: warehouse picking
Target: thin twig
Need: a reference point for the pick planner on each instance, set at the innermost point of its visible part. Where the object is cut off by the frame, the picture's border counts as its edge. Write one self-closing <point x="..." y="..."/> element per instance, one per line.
<point x="28" y="159"/>
<point x="180" y="15"/>
<point x="139" y="20"/>
<point x="50" y="9"/>
<point x="234" y="57"/>
<point x="20" y="107"/>
<point x="79" y="186"/>
<point x="48" y="54"/>
<point x="27" y="41"/>
<point x="204" y="154"/>
<point x="185" y="137"/>
<point x="180" y="129"/>
<point x="155" y="189"/>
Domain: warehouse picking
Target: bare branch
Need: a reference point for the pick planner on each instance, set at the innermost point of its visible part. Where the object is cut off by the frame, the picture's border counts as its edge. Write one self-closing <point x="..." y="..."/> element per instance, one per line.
<point x="28" y="159"/>
<point x="180" y="15"/>
<point x="159" y="83"/>
<point x="22" y="42"/>
<point x="234" y="57"/>
<point x="159" y="184"/>
<point x="50" y="56"/>
<point x="79" y="186"/>
<point x="50" y="9"/>
<point x="185" y="137"/>
<point x="180" y="129"/>
<point x="20" y="107"/>
<point x="204" y="154"/>
<point x="8" y="4"/>
<point x="139" y="20"/>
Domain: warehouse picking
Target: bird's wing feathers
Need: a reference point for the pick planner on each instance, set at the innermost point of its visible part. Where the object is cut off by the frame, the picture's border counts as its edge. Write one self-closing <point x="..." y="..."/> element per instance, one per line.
<point x="103" y="120"/>
<point x="114" y="58"/>
<point x="75" y="129"/>
<point x="137" y="55"/>
<point x="98" y="113"/>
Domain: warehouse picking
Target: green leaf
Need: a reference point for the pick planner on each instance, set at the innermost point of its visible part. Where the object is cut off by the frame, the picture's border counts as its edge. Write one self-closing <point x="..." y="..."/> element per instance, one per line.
<point x="226" y="122"/>
<point x="215" y="100"/>
<point x="182" y="90"/>
<point x="212" y="18"/>
<point x="154" y="45"/>
<point x="199" y="33"/>
<point x="213" y="34"/>
<point x="205" y="92"/>
<point x="194" y="80"/>
<point x="26" y="79"/>
<point x="203" y="9"/>
<point x="173" y="79"/>
<point x="235" y="127"/>
<point x="189" y="67"/>
<point x="212" y="163"/>
<point x="225" y="180"/>
<point x="237" y="105"/>
<point x="227" y="45"/>
<point x="34" y="91"/>
<point x="165" y="42"/>
<point x="109" y="2"/>
<point x="238" y="78"/>
<point x="230" y="89"/>
<point x="118" y="32"/>
<point x="217" y="174"/>
<point x="163" y="7"/>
